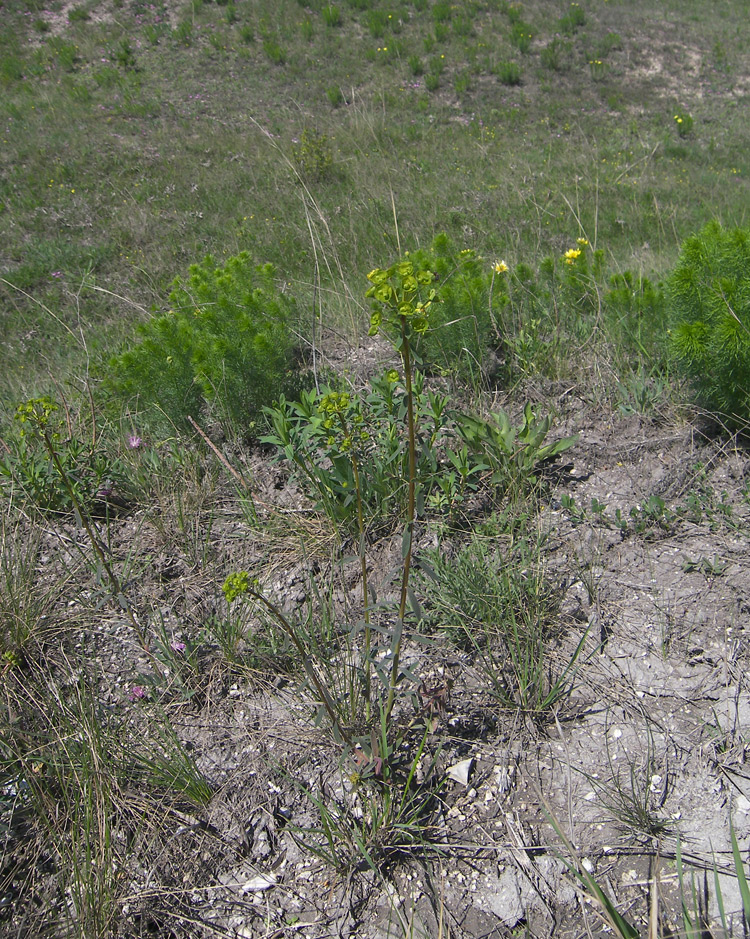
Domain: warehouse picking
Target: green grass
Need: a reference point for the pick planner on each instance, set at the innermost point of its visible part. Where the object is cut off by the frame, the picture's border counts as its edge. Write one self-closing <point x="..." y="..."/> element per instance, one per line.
<point x="123" y="172"/>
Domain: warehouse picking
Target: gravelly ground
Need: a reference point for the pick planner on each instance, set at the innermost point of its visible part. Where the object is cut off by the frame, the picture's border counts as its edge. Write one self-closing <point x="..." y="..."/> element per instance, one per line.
<point x="648" y="748"/>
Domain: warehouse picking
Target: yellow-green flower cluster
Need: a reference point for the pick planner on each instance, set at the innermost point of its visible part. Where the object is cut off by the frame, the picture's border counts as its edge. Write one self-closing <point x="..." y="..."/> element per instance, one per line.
<point x="38" y="412"/>
<point x="396" y="291"/>
<point x="235" y="585"/>
<point x="337" y="404"/>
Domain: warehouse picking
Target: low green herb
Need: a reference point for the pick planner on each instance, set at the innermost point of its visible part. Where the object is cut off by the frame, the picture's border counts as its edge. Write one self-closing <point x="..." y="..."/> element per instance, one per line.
<point x="82" y="472"/>
<point x="331" y="437"/>
<point x="514" y="454"/>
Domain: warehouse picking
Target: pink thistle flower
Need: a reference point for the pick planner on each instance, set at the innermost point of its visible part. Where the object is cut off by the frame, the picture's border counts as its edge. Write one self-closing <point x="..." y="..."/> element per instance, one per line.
<point x="137" y="692"/>
<point x="134" y="442"/>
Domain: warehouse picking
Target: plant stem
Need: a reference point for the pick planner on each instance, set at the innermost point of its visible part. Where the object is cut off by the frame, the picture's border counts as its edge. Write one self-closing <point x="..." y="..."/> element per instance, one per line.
<point x="227" y="465"/>
<point x="498" y="334"/>
<point x="312" y="674"/>
<point x="363" y="564"/>
<point x="365" y="595"/>
<point x="409" y="530"/>
<point x="114" y="580"/>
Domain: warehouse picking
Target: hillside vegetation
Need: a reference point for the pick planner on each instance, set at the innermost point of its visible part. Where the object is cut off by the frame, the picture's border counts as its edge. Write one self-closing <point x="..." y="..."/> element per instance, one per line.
<point x="373" y="476"/>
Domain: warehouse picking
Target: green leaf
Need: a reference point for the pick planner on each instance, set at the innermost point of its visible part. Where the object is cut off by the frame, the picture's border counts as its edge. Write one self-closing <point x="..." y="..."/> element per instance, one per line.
<point x="740" y="871"/>
<point x="621" y="926"/>
<point x="406" y="542"/>
<point x="720" y="899"/>
<point x="560" y="446"/>
<point x="414" y="604"/>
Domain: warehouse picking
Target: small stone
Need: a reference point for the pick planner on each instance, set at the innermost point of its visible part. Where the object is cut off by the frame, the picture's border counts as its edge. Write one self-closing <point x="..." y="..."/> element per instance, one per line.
<point x="460" y="771"/>
<point x="260" y="882"/>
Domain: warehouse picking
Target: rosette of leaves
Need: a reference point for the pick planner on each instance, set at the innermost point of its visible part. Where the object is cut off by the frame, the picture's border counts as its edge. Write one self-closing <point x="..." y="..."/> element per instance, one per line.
<point x="224" y="349"/>
<point x="708" y="297"/>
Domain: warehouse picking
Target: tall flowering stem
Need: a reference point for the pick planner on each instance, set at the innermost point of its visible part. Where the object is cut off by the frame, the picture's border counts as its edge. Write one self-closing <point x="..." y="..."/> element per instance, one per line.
<point x="365" y="590"/>
<point x="37" y="413"/>
<point x="238" y="584"/>
<point x="336" y="405"/>
<point x="499" y="268"/>
<point x="402" y="298"/>
<point x="410" y="513"/>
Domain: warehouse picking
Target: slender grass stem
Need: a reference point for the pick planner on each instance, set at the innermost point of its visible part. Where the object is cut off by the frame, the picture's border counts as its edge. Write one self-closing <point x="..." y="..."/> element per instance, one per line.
<point x="312" y="673"/>
<point x="365" y="595"/>
<point x="246" y="489"/>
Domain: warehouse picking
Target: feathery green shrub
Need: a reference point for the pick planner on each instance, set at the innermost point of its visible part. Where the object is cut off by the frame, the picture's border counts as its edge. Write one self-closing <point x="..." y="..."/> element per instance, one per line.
<point x="225" y="347"/>
<point x="708" y="296"/>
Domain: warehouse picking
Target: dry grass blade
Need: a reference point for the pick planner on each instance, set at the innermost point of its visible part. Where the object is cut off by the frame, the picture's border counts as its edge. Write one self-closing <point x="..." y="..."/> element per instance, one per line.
<point x="653" y="913"/>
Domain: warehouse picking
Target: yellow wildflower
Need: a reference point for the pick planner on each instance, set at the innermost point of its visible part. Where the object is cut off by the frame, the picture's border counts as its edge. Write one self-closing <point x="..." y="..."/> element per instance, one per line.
<point x="500" y="267"/>
<point x="571" y="255"/>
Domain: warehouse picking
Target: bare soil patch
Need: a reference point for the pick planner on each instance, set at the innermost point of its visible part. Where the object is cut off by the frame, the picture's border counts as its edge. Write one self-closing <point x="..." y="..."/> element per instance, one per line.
<point x="649" y="747"/>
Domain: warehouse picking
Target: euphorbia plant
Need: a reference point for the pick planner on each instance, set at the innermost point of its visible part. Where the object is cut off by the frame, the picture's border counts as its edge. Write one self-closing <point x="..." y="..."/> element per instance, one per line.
<point x="38" y="421"/>
<point x="336" y="405"/>
<point x="402" y="296"/>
